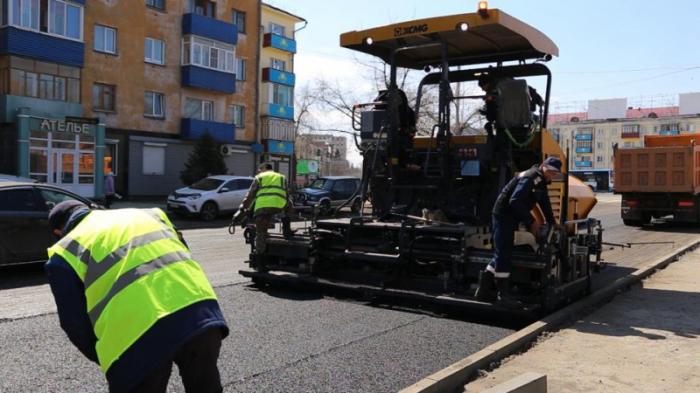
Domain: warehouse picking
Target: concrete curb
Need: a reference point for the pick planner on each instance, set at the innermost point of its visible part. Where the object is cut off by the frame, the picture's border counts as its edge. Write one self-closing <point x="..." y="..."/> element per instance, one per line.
<point x="455" y="376"/>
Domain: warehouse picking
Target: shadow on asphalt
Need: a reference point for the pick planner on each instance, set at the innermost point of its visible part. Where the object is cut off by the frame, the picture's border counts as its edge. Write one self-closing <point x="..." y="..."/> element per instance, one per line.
<point x="496" y="318"/>
<point x="22" y="276"/>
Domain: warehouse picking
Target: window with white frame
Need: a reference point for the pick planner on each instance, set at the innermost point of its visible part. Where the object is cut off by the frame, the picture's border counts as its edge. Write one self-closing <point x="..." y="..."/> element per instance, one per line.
<point x="240" y="69"/>
<point x="56" y="17"/>
<point x="208" y="54"/>
<point x="159" y="4"/>
<point x="199" y="109"/>
<point x="154" y="104"/>
<point x="154" y="51"/>
<point x="154" y="158"/>
<point x="237" y="115"/>
<point x="282" y="95"/>
<point x="278" y="64"/>
<point x="276" y="29"/>
<point x="105" y="39"/>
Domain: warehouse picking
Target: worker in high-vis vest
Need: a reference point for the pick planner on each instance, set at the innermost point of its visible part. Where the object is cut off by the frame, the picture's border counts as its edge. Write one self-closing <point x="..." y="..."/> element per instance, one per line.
<point x="268" y="197"/>
<point x="131" y="298"/>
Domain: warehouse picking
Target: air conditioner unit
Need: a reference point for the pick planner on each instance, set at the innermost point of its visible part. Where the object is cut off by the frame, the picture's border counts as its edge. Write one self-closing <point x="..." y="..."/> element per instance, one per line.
<point x="227" y="150"/>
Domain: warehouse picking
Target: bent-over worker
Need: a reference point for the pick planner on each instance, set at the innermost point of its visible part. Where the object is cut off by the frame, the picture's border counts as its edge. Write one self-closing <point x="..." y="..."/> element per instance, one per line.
<point x="131" y="298"/>
<point x="512" y="207"/>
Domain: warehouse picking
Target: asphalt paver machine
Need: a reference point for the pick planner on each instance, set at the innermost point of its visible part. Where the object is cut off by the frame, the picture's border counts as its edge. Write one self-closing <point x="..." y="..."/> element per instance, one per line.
<point x="424" y="231"/>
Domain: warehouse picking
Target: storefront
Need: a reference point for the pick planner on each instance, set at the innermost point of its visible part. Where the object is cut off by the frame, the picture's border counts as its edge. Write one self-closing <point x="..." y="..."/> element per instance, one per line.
<point x="65" y="152"/>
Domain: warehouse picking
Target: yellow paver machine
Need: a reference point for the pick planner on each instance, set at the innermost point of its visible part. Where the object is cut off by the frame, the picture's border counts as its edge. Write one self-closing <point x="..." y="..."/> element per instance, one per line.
<point x="428" y="191"/>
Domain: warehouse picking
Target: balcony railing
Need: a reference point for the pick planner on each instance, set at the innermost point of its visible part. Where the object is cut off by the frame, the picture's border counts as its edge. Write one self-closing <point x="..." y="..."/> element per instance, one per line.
<point x="278" y="129"/>
<point x="669" y="132"/>
<point x="583" y="137"/>
<point x="205" y="78"/>
<point x="194" y="129"/>
<point x="41" y="46"/>
<point x="277" y="76"/>
<point x="281" y="111"/>
<point x="583" y="164"/>
<point x="630" y="135"/>
<point x="272" y="40"/>
<point x="584" y="150"/>
<point x="214" y="29"/>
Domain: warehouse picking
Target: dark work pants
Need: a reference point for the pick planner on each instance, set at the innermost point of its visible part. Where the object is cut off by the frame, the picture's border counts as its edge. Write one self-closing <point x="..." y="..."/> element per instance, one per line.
<point x="196" y="361"/>
<point x="503" y="227"/>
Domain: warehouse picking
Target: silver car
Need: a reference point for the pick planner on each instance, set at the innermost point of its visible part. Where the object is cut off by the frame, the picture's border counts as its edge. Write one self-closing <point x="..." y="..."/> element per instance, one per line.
<point x="210" y="196"/>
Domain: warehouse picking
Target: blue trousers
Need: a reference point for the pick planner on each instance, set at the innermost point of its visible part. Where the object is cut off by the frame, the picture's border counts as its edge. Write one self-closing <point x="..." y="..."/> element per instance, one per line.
<point x="503" y="228"/>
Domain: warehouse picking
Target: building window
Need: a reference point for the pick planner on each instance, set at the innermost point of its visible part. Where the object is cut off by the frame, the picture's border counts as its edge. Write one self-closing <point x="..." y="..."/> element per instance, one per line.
<point x="669" y="127"/>
<point x="26" y="83"/>
<point x="276" y="29"/>
<point x="630" y="130"/>
<point x="239" y="20"/>
<point x="240" y="69"/>
<point x="599" y="145"/>
<point x="55" y="17"/>
<point x="103" y="97"/>
<point x="599" y="159"/>
<point x="154" y="104"/>
<point x="105" y="39"/>
<point x="202" y="7"/>
<point x="199" y="109"/>
<point x="278" y="64"/>
<point x="154" y="51"/>
<point x="208" y="54"/>
<point x="282" y="95"/>
<point x="237" y="113"/>
<point x="159" y="4"/>
<point x="154" y="158"/>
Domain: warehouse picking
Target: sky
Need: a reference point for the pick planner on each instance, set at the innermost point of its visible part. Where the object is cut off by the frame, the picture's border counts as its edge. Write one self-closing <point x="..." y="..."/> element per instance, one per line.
<point x="643" y="50"/>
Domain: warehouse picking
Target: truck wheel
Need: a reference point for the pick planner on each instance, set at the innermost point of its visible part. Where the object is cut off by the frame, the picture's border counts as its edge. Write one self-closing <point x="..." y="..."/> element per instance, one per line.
<point x="632" y="223"/>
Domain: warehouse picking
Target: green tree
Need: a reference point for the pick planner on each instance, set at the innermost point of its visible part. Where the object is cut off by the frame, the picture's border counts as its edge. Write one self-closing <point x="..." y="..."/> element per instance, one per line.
<point x="205" y="160"/>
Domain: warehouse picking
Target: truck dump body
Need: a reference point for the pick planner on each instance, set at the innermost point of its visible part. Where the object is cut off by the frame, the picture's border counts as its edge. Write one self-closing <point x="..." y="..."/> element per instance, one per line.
<point x="658" y="169"/>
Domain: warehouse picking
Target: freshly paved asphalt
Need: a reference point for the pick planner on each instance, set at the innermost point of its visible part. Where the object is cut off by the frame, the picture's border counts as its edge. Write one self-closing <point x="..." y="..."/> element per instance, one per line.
<point x="280" y="340"/>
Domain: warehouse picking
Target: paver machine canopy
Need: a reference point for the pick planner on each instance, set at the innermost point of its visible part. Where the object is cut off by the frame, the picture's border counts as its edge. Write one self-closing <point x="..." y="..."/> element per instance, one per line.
<point x="431" y="191"/>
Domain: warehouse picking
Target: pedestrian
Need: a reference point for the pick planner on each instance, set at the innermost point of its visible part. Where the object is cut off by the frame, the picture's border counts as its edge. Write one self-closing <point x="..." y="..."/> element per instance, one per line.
<point x="131" y="298"/>
<point x="109" y="188"/>
<point x="512" y="207"/>
<point x="268" y="194"/>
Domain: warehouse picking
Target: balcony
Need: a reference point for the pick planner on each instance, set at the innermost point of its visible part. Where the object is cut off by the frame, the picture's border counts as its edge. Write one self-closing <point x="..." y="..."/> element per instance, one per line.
<point x="583" y="164"/>
<point x="277" y="76"/>
<point x="669" y="132"/>
<point x="278" y="129"/>
<point x="41" y="46"/>
<point x="630" y="135"/>
<point x="271" y="40"/>
<point x="194" y="129"/>
<point x="584" y="150"/>
<point x="281" y="111"/>
<point x="211" y="28"/>
<point x="583" y="137"/>
<point x="205" y="78"/>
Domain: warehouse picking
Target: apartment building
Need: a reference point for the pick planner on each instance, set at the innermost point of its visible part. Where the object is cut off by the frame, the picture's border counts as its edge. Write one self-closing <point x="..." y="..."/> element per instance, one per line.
<point x="592" y="135"/>
<point x="277" y="80"/>
<point x="127" y="87"/>
<point x="328" y="151"/>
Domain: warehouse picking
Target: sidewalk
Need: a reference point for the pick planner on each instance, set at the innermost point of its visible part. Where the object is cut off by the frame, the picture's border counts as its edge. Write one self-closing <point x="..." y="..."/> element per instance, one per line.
<point x="645" y="340"/>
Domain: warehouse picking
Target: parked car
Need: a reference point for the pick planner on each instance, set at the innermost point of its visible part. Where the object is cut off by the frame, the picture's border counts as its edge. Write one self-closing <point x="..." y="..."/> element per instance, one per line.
<point x="210" y="196"/>
<point x="24" y="225"/>
<point x="331" y="191"/>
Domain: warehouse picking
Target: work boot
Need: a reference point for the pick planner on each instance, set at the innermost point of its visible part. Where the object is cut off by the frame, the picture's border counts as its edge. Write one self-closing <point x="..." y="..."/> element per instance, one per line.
<point x="486" y="292"/>
<point x="505" y="298"/>
<point x="287" y="228"/>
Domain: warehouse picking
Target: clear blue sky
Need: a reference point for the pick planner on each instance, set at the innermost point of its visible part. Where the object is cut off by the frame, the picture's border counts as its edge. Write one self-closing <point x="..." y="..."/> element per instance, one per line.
<point x="608" y="49"/>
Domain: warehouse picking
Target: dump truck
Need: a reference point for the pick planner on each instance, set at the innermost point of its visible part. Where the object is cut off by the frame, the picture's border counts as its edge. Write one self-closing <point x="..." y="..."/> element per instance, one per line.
<point x="423" y="233"/>
<point x="660" y="179"/>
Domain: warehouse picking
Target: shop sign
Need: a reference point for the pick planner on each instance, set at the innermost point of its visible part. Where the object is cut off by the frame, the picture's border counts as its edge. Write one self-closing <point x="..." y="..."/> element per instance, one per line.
<point x="58" y="125"/>
<point x="280" y="147"/>
<point x="305" y="167"/>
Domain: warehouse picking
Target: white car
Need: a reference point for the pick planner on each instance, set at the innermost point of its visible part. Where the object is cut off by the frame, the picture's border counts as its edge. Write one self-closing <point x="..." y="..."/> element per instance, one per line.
<point x="210" y="196"/>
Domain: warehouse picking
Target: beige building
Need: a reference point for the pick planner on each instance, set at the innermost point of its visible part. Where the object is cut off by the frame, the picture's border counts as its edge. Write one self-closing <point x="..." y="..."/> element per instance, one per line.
<point x="591" y="135"/>
<point x="330" y="151"/>
<point x="276" y="86"/>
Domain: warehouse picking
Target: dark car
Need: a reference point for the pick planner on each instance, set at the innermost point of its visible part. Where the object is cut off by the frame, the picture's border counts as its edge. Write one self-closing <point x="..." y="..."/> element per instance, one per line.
<point x="24" y="226"/>
<point x="332" y="191"/>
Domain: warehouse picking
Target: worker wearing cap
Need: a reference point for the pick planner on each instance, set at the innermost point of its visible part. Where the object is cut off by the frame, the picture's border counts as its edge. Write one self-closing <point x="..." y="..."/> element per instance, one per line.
<point x="131" y="298"/>
<point x="268" y="196"/>
<point x="512" y="207"/>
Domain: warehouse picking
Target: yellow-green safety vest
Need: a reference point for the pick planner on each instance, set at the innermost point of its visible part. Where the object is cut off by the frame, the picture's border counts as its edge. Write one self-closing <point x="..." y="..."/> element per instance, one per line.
<point x="135" y="271"/>
<point x="271" y="192"/>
